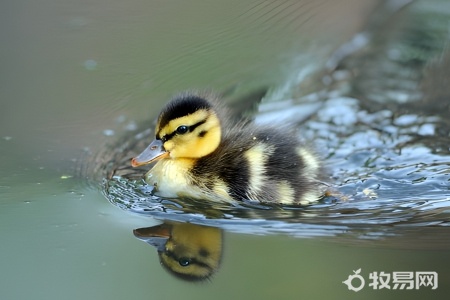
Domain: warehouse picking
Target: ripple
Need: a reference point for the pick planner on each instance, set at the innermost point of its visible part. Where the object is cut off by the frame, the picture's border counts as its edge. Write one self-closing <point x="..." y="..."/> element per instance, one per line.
<point x="387" y="151"/>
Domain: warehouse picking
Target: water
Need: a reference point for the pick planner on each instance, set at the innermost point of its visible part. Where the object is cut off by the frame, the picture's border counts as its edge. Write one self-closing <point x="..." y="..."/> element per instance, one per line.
<point x="383" y="152"/>
<point x="81" y="80"/>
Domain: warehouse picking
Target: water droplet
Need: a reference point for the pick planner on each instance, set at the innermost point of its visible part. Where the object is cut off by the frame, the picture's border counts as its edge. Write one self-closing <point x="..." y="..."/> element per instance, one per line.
<point x="426" y="129"/>
<point x="108" y="132"/>
<point x="405" y="120"/>
<point x="131" y="126"/>
<point x="90" y="64"/>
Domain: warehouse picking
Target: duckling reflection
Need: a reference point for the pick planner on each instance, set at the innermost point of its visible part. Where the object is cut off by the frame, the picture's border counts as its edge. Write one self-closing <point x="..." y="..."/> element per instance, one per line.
<point x="190" y="252"/>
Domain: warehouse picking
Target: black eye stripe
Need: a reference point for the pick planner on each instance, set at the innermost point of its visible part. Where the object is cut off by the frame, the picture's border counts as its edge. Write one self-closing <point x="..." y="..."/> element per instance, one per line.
<point x="191" y="260"/>
<point x="190" y="129"/>
<point x="168" y="136"/>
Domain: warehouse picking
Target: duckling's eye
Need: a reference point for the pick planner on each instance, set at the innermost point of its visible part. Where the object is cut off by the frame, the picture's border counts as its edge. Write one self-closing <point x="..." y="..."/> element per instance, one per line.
<point x="184" y="262"/>
<point x="182" y="129"/>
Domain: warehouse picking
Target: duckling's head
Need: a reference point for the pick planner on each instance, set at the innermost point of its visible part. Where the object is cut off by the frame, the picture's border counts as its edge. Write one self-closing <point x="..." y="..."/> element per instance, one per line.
<point x="188" y="127"/>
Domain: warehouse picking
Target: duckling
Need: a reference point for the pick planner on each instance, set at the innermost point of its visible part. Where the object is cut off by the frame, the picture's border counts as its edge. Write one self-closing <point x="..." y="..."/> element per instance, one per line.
<point x="200" y="153"/>
<point x="190" y="252"/>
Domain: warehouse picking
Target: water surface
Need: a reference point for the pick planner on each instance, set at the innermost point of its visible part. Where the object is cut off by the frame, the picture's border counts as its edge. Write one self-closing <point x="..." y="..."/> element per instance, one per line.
<point x="80" y="80"/>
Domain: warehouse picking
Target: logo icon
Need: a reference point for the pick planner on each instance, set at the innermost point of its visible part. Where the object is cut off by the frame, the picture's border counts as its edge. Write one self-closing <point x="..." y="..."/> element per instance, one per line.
<point x="396" y="280"/>
<point x="349" y="281"/>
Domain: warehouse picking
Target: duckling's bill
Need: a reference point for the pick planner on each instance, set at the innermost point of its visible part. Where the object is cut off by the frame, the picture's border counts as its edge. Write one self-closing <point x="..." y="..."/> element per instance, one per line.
<point x="154" y="151"/>
<point x="156" y="236"/>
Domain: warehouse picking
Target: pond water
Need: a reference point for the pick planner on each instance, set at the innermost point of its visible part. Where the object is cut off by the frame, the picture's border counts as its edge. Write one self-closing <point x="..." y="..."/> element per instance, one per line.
<point x="81" y="86"/>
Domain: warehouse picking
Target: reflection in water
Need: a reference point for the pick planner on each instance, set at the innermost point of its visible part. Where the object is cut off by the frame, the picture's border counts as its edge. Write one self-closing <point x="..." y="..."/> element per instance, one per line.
<point x="190" y="252"/>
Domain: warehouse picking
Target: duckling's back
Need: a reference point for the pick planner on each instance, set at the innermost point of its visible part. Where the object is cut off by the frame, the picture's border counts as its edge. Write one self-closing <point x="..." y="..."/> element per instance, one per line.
<point x="266" y="165"/>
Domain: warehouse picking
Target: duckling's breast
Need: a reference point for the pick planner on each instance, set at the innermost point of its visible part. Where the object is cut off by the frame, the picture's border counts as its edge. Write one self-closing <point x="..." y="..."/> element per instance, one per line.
<point x="170" y="177"/>
<point x="173" y="178"/>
